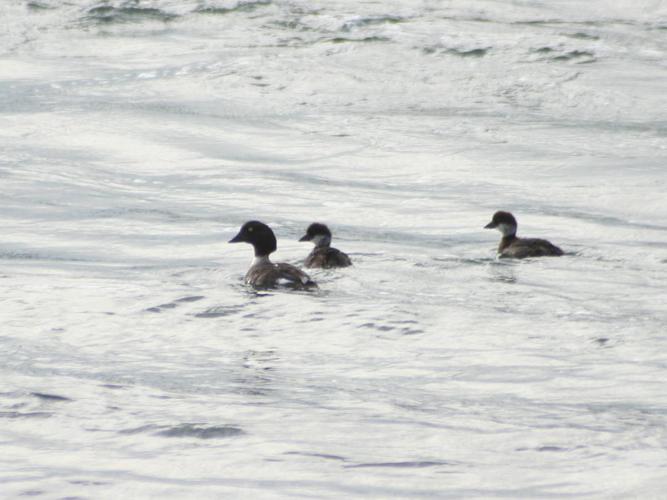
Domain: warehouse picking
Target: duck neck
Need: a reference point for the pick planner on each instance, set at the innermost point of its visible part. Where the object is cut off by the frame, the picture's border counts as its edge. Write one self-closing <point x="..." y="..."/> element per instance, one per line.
<point x="506" y="241"/>
<point x="322" y="241"/>
<point x="260" y="260"/>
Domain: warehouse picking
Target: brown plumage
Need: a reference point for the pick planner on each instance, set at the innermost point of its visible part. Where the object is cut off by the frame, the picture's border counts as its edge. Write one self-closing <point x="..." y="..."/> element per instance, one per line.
<point x="518" y="248"/>
<point x="263" y="273"/>
<point x="327" y="257"/>
<point x="266" y="274"/>
<point x="323" y="255"/>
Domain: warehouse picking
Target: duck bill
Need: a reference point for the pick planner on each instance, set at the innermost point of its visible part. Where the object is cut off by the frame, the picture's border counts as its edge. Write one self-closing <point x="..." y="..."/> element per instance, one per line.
<point x="305" y="237"/>
<point x="491" y="225"/>
<point x="236" y="239"/>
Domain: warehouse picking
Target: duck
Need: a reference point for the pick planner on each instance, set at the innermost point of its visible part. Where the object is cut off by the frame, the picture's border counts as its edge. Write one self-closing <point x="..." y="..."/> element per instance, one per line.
<point x="323" y="255"/>
<point x="263" y="273"/>
<point x="512" y="246"/>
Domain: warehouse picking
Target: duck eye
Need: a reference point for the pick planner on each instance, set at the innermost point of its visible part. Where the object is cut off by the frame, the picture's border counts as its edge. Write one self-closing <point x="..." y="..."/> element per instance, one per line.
<point x="250" y="229"/>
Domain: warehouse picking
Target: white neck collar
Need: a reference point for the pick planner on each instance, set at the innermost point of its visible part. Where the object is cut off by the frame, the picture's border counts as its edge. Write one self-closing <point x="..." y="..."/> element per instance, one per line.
<point x="507" y="229"/>
<point x="261" y="260"/>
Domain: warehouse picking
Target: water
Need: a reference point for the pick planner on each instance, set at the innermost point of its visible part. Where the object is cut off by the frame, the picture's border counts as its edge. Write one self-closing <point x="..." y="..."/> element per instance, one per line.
<point x="138" y="136"/>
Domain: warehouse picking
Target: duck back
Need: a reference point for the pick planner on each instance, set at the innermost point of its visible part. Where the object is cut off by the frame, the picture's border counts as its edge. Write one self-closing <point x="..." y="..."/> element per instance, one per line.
<point x="519" y="248"/>
<point x="327" y="257"/>
<point x="269" y="275"/>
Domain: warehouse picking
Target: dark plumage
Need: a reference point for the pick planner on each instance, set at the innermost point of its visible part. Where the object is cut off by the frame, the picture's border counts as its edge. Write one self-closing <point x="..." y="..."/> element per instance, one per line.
<point x="263" y="273"/>
<point x="323" y="255"/>
<point x="513" y="247"/>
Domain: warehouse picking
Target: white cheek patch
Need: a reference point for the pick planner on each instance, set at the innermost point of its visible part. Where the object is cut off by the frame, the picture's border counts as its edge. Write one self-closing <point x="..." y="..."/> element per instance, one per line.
<point x="506" y="229"/>
<point x="320" y="240"/>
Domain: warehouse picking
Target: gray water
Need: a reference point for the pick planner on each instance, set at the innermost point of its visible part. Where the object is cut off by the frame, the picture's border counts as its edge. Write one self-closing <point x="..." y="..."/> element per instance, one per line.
<point x="137" y="136"/>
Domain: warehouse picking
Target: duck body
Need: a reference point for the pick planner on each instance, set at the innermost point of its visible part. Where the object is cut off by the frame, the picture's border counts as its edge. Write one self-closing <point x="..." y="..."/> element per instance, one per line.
<point x="266" y="274"/>
<point x="263" y="273"/>
<point x="327" y="257"/>
<point x="323" y="255"/>
<point x="514" y="247"/>
<point x="520" y="248"/>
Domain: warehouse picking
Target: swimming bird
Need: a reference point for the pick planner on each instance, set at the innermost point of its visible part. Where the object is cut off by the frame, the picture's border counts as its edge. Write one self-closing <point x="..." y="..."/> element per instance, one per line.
<point x="263" y="273"/>
<point x="513" y="247"/>
<point x="323" y="255"/>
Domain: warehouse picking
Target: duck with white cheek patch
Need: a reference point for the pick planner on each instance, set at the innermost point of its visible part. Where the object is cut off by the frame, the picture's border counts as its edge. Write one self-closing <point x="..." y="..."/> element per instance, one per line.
<point x="323" y="255"/>
<point x="512" y="246"/>
<point x="263" y="273"/>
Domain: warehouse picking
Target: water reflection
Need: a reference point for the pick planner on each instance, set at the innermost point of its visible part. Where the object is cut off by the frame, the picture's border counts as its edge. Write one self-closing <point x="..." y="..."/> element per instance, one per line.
<point x="502" y="272"/>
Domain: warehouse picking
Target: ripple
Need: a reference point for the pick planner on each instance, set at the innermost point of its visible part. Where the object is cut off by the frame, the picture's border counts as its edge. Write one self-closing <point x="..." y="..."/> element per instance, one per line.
<point x="580" y="56"/>
<point x="193" y="298"/>
<point x="240" y="7"/>
<point x="49" y="397"/>
<point x="370" y="21"/>
<point x="106" y="14"/>
<point x="326" y="456"/>
<point x="582" y="36"/>
<point x="34" y="5"/>
<point x="459" y="52"/>
<point x="401" y="465"/>
<point x="199" y="431"/>
<point x="31" y="414"/>
<point x="219" y="311"/>
<point x="367" y="39"/>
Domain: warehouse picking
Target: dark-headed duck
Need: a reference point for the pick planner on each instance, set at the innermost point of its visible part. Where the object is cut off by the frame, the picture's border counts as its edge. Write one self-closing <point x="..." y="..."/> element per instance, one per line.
<point x="263" y="273"/>
<point x="513" y="247"/>
<point x="323" y="255"/>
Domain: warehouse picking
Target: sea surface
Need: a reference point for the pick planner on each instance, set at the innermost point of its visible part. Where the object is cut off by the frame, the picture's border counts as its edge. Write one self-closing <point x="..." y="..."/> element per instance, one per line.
<point x="137" y="136"/>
